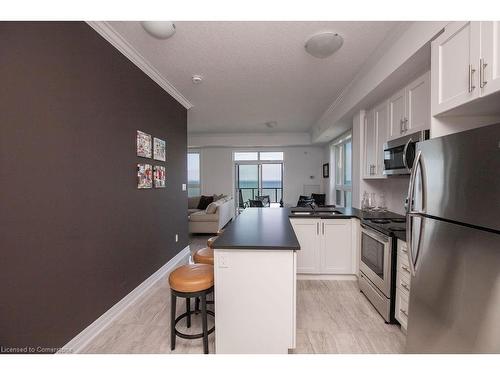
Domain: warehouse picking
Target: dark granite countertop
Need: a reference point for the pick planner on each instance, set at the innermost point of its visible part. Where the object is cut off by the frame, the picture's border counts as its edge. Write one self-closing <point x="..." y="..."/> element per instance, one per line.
<point x="270" y="228"/>
<point x="343" y="213"/>
<point x="260" y="229"/>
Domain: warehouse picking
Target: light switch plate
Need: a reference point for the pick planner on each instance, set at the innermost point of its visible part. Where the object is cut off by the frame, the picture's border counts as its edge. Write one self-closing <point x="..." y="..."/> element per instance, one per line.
<point x="184" y="187"/>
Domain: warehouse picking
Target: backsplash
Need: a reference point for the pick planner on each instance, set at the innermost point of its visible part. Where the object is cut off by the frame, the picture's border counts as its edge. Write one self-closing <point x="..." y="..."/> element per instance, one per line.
<point x="394" y="188"/>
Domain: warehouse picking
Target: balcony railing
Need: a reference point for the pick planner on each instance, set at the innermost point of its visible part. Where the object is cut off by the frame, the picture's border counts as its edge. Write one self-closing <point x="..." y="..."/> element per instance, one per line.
<point x="275" y="194"/>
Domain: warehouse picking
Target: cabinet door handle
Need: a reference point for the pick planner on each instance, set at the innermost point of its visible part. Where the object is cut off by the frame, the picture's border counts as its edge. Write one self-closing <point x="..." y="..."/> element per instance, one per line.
<point x="323" y="228"/>
<point x="405" y="125"/>
<point x="317" y="229"/>
<point x="482" y="65"/>
<point x="405" y="286"/>
<point x="401" y="126"/>
<point x="471" y="72"/>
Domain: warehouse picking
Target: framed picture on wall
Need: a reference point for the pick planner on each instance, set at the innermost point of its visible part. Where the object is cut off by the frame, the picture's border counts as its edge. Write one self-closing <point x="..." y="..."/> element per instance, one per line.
<point x="326" y="170"/>
<point x="144" y="176"/>
<point x="159" y="149"/>
<point x="143" y="144"/>
<point x="159" y="176"/>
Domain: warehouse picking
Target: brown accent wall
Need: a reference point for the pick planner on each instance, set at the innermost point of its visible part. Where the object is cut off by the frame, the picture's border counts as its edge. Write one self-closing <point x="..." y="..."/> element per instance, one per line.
<point x="76" y="235"/>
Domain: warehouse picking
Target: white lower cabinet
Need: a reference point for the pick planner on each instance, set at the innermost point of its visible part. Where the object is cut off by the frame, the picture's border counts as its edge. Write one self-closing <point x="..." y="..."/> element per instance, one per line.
<point x="326" y="246"/>
<point x="307" y="232"/>
<point x="403" y="279"/>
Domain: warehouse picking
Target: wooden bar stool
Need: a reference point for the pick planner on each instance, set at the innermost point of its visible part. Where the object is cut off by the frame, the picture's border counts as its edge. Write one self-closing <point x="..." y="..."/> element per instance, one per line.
<point x="191" y="281"/>
<point x="211" y="240"/>
<point x="204" y="256"/>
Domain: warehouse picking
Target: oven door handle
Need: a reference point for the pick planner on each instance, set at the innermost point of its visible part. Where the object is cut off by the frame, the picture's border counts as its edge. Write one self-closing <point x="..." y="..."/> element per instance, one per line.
<point x="371" y="233"/>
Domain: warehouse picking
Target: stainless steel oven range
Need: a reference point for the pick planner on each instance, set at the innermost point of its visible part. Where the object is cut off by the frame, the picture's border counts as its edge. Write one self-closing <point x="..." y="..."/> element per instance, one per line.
<point x="377" y="263"/>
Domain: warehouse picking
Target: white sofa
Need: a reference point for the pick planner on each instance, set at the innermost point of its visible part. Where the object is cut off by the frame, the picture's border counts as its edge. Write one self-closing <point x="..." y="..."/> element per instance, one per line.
<point x="201" y="221"/>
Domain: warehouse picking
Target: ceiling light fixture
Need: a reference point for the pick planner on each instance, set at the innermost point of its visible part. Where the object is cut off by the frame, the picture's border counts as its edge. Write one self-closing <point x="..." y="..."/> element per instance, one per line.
<point x="159" y="29"/>
<point x="324" y="44"/>
<point x="197" y="79"/>
<point x="271" y="124"/>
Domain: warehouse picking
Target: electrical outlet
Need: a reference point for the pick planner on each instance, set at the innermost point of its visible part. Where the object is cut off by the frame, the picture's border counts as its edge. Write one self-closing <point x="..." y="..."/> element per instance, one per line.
<point x="223" y="263"/>
<point x="184" y="187"/>
<point x="176" y="237"/>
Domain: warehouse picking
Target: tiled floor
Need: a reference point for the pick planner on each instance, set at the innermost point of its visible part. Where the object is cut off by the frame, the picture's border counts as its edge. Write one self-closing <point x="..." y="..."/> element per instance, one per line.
<point x="332" y="317"/>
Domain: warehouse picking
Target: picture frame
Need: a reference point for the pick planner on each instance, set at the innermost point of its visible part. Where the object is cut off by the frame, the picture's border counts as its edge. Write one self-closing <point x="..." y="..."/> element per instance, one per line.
<point x="159" y="149"/>
<point x="144" y="176"/>
<point x="144" y="147"/>
<point x="159" y="176"/>
<point x="326" y="170"/>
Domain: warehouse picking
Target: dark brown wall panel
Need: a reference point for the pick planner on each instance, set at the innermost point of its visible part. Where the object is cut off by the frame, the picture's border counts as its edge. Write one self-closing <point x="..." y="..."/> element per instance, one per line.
<point x="76" y="235"/>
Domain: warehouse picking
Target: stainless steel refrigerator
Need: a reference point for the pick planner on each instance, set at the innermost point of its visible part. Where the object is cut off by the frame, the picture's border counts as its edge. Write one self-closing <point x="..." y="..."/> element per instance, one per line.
<point x="453" y="234"/>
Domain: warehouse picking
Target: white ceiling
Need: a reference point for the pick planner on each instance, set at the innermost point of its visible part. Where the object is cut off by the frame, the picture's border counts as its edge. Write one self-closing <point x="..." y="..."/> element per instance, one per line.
<point x="256" y="72"/>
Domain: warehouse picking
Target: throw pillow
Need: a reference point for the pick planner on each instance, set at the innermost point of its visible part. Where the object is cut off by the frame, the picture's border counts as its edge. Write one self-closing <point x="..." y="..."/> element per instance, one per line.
<point x="212" y="208"/>
<point x="204" y="202"/>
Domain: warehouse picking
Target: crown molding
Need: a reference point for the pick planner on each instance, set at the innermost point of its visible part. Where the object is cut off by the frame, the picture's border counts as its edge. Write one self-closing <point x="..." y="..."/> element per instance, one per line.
<point x="104" y="29"/>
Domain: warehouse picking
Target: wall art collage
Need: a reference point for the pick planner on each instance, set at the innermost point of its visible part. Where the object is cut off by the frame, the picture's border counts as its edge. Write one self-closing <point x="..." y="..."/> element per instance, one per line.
<point x="148" y="175"/>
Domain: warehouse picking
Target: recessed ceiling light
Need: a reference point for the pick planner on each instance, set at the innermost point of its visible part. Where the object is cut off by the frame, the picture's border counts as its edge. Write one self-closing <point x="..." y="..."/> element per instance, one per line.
<point x="324" y="44"/>
<point x="196" y="79"/>
<point x="271" y="124"/>
<point x="159" y="29"/>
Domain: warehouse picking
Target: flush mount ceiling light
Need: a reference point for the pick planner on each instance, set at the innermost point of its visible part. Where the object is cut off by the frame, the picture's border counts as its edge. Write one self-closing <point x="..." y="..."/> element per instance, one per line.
<point x="324" y="44"/>
<point x="196" y="79"/>
<point x="159" y="29"/>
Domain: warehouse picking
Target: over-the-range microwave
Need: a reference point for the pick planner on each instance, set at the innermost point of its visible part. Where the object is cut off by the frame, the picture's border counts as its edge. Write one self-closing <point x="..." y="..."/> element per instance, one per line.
<point x="399" y="153"/>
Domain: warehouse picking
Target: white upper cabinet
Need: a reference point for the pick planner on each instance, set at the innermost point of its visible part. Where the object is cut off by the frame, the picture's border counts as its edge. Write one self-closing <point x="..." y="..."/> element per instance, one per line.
<point x="418" y="105"/>
<point x="370" y="162"/>
<point x="454" y="63"/>
<point x="397" y="113"/>
<point x="410" y="108"/>
<point x="490" y="57"/>
<point x="376" y="129"/>
<point x="381" y="114"/>
<point x="465" y="64"/>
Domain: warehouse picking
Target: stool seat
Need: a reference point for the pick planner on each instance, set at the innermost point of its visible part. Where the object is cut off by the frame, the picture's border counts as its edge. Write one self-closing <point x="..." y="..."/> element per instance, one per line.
<point x="211" y="240"/>
<point x="205" y="256"/>
<point x="192" y="278"/>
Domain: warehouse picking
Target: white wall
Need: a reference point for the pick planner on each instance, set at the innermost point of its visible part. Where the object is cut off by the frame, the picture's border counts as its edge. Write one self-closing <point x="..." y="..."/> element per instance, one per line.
<point x="271" y="139"/>
<point x="301" y="162"/>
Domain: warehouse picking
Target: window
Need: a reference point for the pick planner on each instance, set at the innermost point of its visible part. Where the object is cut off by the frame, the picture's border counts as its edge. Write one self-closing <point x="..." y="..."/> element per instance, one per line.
<point x="270" y="155"/>
<point x="194" y="185"/>
<point x="256" y="155"/>
<point x="342" y="155"/>
<point x="242" y="156"/>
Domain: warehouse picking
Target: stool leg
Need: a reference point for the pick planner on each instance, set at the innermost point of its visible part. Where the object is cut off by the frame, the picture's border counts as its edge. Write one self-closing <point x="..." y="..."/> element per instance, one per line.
<point x="204" y="322"/>
<point x="197" y="304"/>
<point x="172" y="321"/>
<point x="188" y="311"/>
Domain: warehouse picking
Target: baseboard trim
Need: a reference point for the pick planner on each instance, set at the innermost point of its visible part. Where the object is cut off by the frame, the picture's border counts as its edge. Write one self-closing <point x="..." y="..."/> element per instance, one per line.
<point x="303" y="276"/>
<point x="80" y="341"/>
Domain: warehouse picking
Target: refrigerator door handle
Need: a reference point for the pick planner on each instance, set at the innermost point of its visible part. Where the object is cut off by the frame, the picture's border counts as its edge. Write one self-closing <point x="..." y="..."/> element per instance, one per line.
<point x="410" y="213"/>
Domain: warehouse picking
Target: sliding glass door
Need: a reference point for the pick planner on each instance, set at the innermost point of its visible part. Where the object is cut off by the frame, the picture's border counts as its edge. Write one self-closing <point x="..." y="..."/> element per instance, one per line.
<point x="258" y="179"/>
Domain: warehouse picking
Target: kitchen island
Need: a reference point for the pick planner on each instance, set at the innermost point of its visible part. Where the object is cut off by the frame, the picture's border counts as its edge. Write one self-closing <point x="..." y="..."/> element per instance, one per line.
<point x="256" y="261"/>
<point x="255" y="283"/>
